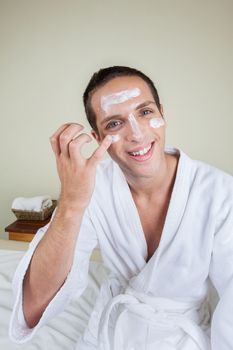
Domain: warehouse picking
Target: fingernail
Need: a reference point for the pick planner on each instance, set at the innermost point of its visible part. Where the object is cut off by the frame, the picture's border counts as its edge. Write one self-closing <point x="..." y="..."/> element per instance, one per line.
<point x="109" y="138"/>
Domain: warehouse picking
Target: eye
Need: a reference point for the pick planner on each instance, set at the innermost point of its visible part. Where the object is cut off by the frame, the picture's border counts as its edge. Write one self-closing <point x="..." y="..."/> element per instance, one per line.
<point x="144" y="112"/>
<point x="113" y="124"/>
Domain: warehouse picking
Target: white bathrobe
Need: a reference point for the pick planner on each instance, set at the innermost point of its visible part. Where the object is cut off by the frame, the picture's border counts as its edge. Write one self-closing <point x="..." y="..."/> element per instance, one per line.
<point x="159" y="304"/>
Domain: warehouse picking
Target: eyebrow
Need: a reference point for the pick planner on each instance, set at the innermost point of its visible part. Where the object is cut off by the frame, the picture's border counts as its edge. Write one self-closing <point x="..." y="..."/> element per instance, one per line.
<point x="141" y="105"/>
<point x="144" y="104"/>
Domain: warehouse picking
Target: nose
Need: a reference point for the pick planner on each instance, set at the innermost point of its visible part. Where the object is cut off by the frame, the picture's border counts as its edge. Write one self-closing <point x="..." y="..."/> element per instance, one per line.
<point x="134" y="132"/>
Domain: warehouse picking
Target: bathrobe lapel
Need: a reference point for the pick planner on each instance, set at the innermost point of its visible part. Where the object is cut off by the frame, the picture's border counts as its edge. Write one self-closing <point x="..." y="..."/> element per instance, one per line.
<point x="173" y="219"/>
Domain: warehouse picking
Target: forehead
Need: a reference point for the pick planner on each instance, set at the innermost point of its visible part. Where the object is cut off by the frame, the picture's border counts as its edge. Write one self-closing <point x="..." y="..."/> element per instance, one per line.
<point x="121" y="85"/>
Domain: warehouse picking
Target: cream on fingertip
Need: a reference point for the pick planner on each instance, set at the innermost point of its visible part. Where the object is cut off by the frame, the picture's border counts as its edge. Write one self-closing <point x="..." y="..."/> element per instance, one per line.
<point x="109" y="138"/>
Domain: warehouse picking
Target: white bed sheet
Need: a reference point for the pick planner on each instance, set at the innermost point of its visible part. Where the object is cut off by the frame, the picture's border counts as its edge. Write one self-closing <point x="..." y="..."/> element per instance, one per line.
<point x="63" y="332"/>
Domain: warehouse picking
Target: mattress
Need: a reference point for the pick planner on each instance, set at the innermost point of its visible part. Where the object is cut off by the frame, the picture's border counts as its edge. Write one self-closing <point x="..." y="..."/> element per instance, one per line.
<point x="62" y="332"/>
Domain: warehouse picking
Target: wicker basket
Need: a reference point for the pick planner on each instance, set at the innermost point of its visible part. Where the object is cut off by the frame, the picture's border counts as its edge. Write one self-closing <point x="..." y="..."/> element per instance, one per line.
<point x="35" y="215"/>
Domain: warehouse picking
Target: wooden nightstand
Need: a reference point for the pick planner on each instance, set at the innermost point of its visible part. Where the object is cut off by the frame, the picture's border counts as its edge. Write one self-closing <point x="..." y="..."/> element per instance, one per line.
<point x="24" y="230"/>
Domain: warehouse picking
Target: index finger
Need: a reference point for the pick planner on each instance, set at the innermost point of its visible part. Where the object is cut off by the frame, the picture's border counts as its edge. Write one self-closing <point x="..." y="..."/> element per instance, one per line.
<point x="103" y="147"/>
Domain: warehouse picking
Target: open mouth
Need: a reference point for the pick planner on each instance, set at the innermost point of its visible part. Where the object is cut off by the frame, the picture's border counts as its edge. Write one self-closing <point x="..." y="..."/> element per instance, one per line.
<point x="143" y="153"/>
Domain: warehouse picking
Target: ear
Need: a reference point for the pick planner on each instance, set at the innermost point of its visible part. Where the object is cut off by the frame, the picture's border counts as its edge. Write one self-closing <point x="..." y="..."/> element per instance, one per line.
<point x="95" y="135"/>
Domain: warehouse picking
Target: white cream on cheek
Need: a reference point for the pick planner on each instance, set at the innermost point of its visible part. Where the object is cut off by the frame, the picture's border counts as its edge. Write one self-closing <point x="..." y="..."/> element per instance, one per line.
<point x="156" y="123"/>
<point x="118" y="97"/>
<point x="115" y="138"/>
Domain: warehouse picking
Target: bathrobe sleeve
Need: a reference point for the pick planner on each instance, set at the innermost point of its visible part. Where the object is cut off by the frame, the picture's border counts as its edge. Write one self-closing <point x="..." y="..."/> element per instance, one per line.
<point x="74" y="286"/>
<point x="221" y="275"/>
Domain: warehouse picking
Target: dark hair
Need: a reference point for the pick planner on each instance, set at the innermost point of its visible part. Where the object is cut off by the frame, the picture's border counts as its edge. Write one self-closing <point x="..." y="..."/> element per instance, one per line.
<point x="102" y="77"/>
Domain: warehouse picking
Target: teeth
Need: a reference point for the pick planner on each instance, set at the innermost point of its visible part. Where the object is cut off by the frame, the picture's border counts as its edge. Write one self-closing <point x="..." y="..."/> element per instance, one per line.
<point x="141" y="152"/>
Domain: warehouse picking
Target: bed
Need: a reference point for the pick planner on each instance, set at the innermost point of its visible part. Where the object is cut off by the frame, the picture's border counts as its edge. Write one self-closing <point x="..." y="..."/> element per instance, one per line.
<point x="63" y="332"/>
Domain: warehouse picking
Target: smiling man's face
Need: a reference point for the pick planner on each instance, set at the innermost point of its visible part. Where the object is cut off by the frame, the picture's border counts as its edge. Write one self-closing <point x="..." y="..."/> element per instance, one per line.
<point x="125" y="108"/>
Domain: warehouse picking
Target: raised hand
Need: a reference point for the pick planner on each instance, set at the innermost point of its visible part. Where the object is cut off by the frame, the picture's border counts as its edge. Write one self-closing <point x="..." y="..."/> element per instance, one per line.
<point x="76" y="173"/>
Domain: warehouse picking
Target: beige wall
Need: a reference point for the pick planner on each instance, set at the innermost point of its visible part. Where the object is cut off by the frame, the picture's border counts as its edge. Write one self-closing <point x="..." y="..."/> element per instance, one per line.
<point x="49" y="49"/>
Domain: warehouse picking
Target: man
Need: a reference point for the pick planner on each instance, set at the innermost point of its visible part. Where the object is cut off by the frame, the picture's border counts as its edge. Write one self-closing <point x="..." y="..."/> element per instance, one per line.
<point x="163" y="223"/>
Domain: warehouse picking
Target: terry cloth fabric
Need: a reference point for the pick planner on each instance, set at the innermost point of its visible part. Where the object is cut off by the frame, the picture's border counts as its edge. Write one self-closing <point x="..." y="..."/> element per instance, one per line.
<point x="37" y="204"/>
<point x="196" y="247"/>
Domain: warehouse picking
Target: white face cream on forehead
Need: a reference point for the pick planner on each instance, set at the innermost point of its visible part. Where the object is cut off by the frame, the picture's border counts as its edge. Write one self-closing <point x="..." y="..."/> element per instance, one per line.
<point x="118" y="97"/>
<point x="134" y="125"/>
<point x="157" y="122"/>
